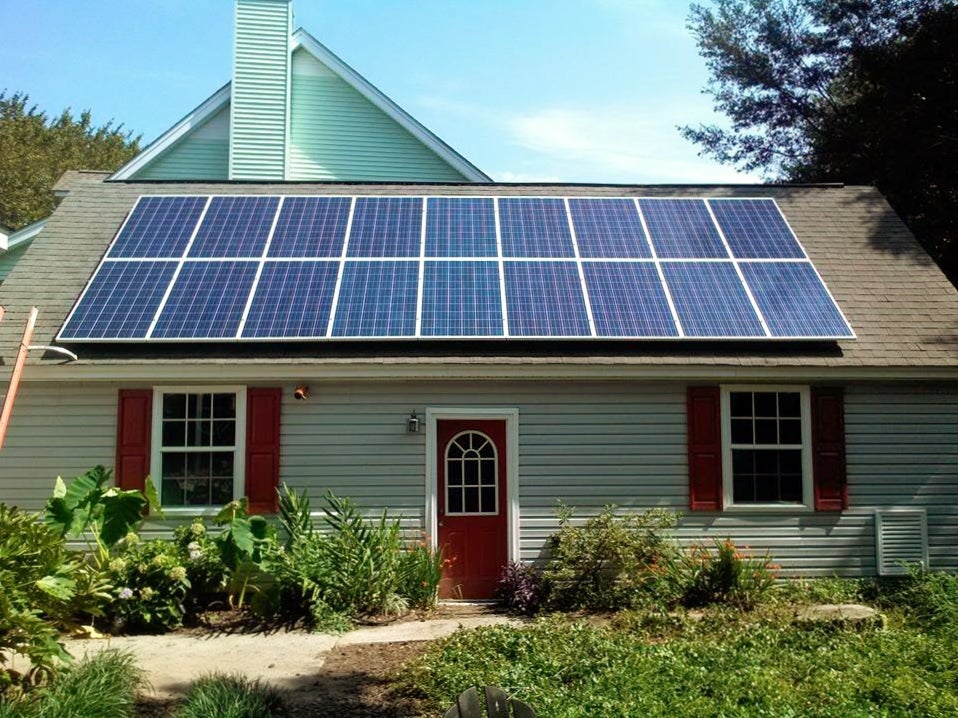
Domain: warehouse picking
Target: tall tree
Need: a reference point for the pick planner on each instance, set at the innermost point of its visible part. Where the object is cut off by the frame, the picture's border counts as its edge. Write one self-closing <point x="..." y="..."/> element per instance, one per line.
<point x="35" y="150"/>
<point x="855" y="91"/>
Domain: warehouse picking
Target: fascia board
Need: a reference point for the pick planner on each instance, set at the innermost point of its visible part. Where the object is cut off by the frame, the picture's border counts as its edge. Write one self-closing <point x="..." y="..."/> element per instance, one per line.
<point x="23" y="236"/>
<point x="194" y="119"/>
<point x="302" y="39"/>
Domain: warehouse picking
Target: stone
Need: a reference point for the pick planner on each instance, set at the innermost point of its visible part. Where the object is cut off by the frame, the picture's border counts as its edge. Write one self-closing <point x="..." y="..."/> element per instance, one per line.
<point x="852" y="616"/>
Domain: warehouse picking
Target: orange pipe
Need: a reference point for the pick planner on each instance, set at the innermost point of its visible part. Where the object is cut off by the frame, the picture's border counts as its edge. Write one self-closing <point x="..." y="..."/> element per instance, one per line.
<point x="17" y="373"/>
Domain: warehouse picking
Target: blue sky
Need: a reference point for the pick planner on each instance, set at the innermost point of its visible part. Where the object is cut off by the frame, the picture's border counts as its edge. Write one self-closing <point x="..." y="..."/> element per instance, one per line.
<point x="560" y="90"/>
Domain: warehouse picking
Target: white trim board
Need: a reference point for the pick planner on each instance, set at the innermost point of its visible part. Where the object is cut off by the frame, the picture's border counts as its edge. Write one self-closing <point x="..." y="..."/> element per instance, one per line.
<point x="302" y="39"/>
<point x="511" y="417"/>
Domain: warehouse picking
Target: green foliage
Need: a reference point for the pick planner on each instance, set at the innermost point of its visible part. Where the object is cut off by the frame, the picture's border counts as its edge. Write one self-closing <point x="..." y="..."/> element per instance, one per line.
<point x="611" y="562"/>
<point x="719" y="666"/>
<point x="102" y="686"/>
<point x="42" y="587"/>
<point x="232" y="696"/>
<point x="200" y="554"/>
<point x="244" y="542"/>
<point x="861" y="92"/>
<point x="38" y="149"/>
<point x="90" y="506"/>
<point x="150" y="584"/>
<point x="928" y="599"/>
<point x="420" y="573"/>
<point x="726" y="574"/>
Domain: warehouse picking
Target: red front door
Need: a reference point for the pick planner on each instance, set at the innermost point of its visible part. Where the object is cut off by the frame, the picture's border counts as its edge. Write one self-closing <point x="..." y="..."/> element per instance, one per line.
<point x="472" y="505"/>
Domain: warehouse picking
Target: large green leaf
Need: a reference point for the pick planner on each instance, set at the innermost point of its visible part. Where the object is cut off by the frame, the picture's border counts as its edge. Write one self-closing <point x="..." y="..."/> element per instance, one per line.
<point x="58" y="586"/>
<point x="58" y="516"/>
<point x="122" y="513"/>
<point x="152" y="499"/>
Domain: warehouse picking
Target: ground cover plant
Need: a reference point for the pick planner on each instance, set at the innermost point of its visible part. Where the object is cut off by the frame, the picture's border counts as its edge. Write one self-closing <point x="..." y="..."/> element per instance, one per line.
<point x="228" y="696"/>
<point x="717" y="661"/>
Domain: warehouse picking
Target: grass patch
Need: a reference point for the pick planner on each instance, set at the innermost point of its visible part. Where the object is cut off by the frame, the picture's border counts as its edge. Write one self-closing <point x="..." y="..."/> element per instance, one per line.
<point x="232" y="696"/>
<point x="102" y="686"/>
<point x="725" y="663"/>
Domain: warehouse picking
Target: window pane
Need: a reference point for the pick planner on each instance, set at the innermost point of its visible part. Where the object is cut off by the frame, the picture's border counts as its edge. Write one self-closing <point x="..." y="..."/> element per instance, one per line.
<point x="742" y="431"/>
<point x="198" y="492"/>
<point x="222" y="491"/>
<point x="198" y="433"/>
<point x="174" y="466"/>
<point x="489" y="472"/>
<point x="488" y="500"/>
<point x="765" y="404"/>
<point x="472" y="473"/>
<point x="454" y="473"/>
<point x="790" y="431"/>
<point x="766" y="431"/>
<point x="789" y="404"/>
<point x="455" y="451"/>
<point x="198" y="465"/>
<point x="174" y="406"/>
<point x="766" y="489"/>
<point x="766" y="463"/>
<point x="454" y="503"/>
<point x="472" y="500"/>
<point x="174" y="433"/>
<point x="741" y="403"/>
<point x="743" y="461"/>
<point x="743" y="489"/>
<point x="200" y="406"/>
<point x="221" y="464"/>
<point x="790" y="461"/>
<point x="173" y="493"/>
<point x="487" y="451"/>
<point x="224" y="433"/>
<point x="224" y="406"/>
<point x="791" y="488"/>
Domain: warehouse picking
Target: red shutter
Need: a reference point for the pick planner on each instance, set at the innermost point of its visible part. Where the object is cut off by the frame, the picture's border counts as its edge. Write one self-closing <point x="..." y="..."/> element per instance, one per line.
<point x="262" y="449"/>
<point x="705" y="448"/>
<point x="828" y="449"/>
<point x="134" y="424"/>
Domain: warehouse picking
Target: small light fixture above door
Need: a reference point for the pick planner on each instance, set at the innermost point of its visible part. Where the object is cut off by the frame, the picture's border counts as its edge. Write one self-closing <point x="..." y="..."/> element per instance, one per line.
<point x="412" y="423"/>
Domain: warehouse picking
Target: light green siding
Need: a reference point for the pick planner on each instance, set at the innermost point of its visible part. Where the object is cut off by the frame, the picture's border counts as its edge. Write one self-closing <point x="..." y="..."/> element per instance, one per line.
<point x="337" y="134"/>
<point x="588" y="443"/>
<point x="203" y="154"/>
<point x="9" y="259"/>
<point x="260" y="89"/>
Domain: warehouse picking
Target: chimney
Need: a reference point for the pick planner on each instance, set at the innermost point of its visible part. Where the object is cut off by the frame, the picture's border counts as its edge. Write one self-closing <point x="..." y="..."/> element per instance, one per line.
<point x="259" y="109"/>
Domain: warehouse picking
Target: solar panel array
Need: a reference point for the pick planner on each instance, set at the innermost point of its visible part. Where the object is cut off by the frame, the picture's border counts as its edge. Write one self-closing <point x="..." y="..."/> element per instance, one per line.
<point x="234" y="268"/>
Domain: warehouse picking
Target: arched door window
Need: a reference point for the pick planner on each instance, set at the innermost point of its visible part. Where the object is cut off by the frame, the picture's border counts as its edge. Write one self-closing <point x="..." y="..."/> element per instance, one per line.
<point x="472" y="475"/>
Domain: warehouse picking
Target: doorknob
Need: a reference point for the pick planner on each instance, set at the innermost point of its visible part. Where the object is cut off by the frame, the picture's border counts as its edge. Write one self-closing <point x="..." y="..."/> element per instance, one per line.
<point x="440" y="522"/>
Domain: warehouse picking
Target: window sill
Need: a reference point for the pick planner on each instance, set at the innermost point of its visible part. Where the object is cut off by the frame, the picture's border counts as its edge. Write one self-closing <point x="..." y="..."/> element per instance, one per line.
<point x="190" y="511"/>
<point x="768" y="508"/>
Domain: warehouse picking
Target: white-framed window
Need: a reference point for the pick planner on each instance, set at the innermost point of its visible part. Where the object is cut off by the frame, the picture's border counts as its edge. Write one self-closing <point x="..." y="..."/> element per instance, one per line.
<point x="198" y="445"/>
<point x="766" y="447"/>
<point x="472" y="475"/>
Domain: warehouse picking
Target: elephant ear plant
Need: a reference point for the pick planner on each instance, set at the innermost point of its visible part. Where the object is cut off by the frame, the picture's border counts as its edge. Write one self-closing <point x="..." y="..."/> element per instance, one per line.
<point x="244" y="544"/>
<point x="101" y="514"/>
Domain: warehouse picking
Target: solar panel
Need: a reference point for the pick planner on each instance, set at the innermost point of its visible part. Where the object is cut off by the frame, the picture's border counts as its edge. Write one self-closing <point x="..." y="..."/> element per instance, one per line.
<point x="755" y="229"/>
<point x="628" y="300"/>
<point x="377" y="299"/>
<point x="386" y="227"/>
<point x="453" y="266"/>
<point x="544" y="299"/>
<point x="311" y="227"/>
<point x="207" y="301"/>
<point x="608" y="229"/>
<point x="460" y="227"/>
<point x="121" y="301"/>
<point x="461" y="299"/>
<point x="793" y="300"/>
<point x="534" y="228"/>
<point x="682" y="229"/>
<point x="158" y="227"/>
<point x="292" y="299"/>
<point x="235" y="227"/>
<point x="711" y="300"/>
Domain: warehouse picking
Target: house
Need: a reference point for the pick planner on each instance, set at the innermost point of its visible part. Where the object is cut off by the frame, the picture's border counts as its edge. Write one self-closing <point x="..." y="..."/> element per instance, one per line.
<point x="778" y="363"/>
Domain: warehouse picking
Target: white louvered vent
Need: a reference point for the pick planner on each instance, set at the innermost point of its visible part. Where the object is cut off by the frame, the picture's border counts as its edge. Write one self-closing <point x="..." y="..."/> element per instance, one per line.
<point x="902" y="538"/>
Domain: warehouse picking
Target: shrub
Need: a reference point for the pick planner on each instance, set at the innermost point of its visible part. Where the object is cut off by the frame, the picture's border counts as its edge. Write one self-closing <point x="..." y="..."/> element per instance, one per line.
<point x="101" y="686"/>
<point x="726" y="575"/>
<point x="150" y="585"/>
<point x="420" y="573"/>
<point x="232" y="696"/>
<point x="928" y="599"/>
<point x="520" y="587"/>
<point x="42" y="587"/>
<point x="612" y="561"/>
<point x="205" y="570"/>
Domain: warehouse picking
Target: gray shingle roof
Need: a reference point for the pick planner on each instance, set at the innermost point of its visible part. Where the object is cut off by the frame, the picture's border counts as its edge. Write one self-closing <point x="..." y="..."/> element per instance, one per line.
<point x="903" y="309"/>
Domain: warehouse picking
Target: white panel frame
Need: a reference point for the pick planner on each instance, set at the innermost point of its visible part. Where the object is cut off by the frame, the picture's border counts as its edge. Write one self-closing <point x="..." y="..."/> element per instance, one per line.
<point x="511" y="417"/>
<point x="922" y="516"/>
<point x="239" y="447"/>
<point x="808" y="484"/>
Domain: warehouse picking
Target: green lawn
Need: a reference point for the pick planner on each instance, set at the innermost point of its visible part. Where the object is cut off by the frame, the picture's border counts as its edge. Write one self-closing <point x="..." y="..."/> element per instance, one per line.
<point x="726" y="663"/>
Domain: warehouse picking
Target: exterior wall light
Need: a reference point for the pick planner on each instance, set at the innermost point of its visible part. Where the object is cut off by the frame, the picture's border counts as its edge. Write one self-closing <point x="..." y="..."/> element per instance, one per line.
<point x="301" y="393"/>
<point x="412" y="424"/>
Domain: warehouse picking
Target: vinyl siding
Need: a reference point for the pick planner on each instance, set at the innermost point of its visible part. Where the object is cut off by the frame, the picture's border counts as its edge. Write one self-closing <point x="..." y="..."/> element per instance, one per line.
<point x="202" y="155"/>
<point x="337" y="134"/>
<point x="260" y="90"/>
<point x="589" y="444"/>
